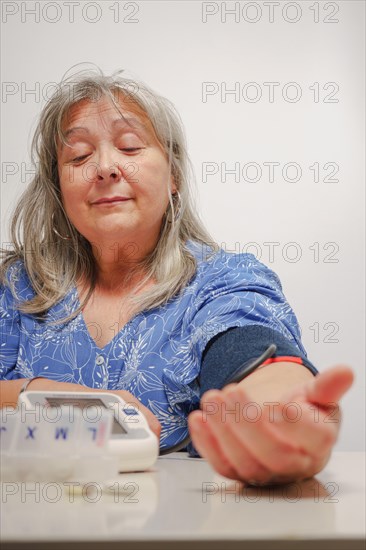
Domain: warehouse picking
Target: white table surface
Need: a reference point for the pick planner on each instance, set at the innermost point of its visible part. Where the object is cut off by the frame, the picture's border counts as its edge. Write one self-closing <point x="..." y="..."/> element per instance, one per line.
<point x="182" y="500"/>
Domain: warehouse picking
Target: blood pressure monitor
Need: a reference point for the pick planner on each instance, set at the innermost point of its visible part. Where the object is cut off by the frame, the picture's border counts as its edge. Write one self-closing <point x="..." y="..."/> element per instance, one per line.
<point x="131" y="438"/>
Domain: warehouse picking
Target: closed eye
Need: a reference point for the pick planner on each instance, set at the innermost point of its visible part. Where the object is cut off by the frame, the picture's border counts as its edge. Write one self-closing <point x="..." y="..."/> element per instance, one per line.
<point x="127" y="149"/>
<point x="77" y="159"/>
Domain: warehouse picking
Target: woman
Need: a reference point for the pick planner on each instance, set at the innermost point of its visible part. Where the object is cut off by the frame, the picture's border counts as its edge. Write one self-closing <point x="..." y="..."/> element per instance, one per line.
<point x="115" y="285"/>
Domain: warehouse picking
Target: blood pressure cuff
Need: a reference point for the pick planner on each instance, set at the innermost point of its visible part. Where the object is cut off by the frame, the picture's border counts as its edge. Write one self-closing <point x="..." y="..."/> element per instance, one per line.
<point x="229" y="351"/>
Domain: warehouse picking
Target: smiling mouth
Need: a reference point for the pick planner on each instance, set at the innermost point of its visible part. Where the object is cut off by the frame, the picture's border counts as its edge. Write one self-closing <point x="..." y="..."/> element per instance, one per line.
<point x="115" y="200"/>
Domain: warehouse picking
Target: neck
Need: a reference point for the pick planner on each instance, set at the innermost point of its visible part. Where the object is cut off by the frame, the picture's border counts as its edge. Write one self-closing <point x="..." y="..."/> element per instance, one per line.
<point x="118" y="262"/>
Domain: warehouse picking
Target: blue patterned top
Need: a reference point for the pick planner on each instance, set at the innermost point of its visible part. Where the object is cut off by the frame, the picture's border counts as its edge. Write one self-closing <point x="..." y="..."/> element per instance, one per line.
<point x="157" y="355"/>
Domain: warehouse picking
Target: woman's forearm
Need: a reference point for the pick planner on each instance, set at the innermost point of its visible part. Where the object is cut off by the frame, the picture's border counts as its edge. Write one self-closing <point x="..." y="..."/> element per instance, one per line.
<point x="271" y="381"/>
<point x="9" y="389"/>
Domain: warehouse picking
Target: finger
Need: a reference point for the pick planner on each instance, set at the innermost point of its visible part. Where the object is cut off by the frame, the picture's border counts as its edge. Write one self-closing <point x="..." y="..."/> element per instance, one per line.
<point x="330" y="385"/>
<point x="249" y="431"/>
<point x="272" y="449"/>
<point x="152" y="420"/>
<point x="211" y="449"/>
<point x="317" y="433"/>
<point x="235" y="450"/>
<point x="208" y="446"/>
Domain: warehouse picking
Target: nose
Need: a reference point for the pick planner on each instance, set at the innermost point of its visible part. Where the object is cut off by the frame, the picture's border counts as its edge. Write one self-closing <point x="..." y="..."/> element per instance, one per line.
<point x="108" y="172"/>
<point x="107" y="168"/>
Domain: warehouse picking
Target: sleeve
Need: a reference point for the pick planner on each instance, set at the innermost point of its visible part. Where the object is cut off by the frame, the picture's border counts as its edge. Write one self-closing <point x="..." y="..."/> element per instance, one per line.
<point x="237" y="290"/>
<point x="9" y="333"/>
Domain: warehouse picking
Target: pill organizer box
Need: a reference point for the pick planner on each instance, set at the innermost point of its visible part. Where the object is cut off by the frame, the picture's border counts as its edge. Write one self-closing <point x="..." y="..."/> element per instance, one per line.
<point x="55" y="444"/>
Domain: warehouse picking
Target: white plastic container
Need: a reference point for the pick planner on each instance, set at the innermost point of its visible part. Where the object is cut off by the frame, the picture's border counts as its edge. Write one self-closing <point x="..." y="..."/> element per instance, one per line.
<point x="55" y="444"/>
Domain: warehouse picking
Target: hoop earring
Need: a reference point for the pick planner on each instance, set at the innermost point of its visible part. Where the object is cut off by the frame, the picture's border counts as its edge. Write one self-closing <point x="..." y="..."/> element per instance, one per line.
<point x="67" y="238"/>
<point x="177" y="209"/>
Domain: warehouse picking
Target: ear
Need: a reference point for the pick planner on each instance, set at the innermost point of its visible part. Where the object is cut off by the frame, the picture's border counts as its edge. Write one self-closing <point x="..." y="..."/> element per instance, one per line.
<point x="173" y="187"/>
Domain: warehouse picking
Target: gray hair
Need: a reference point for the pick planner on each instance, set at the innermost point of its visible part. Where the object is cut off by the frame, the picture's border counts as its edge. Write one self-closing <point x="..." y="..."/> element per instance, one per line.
<point x="53" y="264"/>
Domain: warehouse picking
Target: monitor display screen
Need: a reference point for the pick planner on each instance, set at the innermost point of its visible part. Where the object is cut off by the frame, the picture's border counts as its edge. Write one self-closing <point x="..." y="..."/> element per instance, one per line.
<point x="117" y="428"/>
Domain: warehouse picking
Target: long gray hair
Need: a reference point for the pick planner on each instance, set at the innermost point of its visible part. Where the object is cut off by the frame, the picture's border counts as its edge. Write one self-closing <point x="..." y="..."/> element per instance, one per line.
<point x="39" y="222"/>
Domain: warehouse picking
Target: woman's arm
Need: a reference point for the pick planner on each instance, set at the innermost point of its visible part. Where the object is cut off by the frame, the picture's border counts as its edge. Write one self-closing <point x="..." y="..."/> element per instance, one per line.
<point x="9" y="389"/>
<point x="270" y="381"/>
<point x="9" y="392"/>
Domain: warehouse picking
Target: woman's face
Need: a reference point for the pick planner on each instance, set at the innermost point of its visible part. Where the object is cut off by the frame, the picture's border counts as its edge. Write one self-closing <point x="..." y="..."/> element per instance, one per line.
<point x="113" y="175"/>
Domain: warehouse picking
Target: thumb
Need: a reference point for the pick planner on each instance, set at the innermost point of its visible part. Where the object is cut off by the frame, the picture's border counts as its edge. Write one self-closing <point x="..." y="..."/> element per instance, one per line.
<point x="329" y="386"/>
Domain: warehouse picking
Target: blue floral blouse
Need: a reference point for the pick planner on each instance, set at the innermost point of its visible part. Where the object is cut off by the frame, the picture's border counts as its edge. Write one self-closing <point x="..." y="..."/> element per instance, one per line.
<point x="157" y="355"/>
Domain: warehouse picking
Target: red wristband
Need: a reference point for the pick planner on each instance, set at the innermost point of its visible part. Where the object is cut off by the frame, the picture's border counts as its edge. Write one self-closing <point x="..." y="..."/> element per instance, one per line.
<point x="284" y="358"/>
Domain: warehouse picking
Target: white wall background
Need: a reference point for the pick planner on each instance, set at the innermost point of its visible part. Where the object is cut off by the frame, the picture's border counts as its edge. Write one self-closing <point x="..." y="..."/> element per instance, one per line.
<point x="170" y="47"/>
